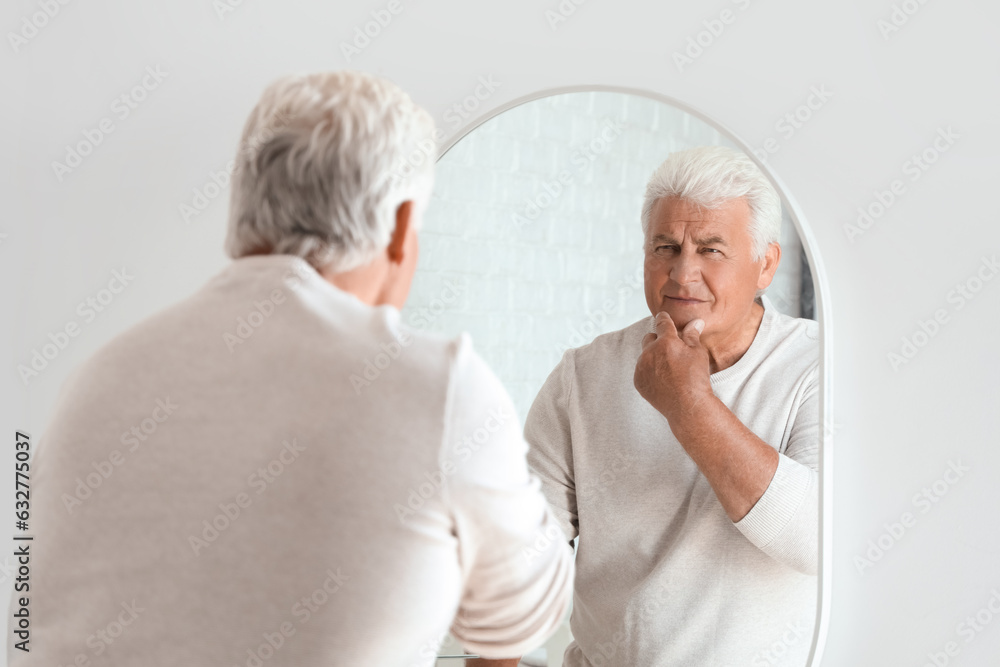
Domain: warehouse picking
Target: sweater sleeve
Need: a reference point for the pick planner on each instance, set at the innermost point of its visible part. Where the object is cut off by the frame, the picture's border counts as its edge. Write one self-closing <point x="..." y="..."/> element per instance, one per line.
<point x="784" y="523"/>
<point x="516" y="565"/>
<point x="547" y="430"/>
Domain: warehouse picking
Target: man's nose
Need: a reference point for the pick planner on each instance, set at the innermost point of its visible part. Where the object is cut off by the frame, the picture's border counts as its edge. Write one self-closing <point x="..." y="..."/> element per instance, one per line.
<point x="684" y="269"/>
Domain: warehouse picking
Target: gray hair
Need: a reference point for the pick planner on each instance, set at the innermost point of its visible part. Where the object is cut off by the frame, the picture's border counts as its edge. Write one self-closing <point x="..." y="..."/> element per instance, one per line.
<point x="324" y="161"/>
<point x="709" y="176"/>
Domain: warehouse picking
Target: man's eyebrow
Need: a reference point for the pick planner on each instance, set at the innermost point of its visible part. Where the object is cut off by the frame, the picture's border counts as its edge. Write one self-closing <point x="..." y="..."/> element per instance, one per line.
<point x="712" y="240"/>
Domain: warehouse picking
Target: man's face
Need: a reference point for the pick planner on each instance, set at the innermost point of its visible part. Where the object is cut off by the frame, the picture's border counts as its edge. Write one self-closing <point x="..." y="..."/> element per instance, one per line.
<point x="699" y="264"/>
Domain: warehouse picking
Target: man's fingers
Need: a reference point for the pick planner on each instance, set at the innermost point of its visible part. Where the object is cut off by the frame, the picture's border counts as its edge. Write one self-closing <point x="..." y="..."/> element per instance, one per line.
<point x="664" y="324"/>
<point x="692" y="332"/>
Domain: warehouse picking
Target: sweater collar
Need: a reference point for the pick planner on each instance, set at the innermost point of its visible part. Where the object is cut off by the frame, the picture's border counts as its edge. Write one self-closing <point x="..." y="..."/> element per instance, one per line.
<point x="293" y="263"/>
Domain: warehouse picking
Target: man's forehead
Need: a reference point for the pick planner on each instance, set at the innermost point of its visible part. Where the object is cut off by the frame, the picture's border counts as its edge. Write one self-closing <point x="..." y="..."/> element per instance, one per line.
<point x="673" y="219"/>
<point x="675" y="229"/>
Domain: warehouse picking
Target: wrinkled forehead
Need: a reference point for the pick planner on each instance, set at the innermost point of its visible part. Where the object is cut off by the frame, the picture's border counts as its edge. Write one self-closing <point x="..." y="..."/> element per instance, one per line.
<point x="681" y="220"/>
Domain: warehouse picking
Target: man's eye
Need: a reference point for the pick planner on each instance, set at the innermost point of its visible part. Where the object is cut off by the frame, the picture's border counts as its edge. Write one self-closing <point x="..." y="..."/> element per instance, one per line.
<point x="711" y="250"/>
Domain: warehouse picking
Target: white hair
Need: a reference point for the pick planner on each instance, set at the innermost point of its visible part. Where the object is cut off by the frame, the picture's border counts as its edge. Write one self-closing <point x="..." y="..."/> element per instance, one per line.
<point x="324" y="161"/>
<point x="711" y="175"/>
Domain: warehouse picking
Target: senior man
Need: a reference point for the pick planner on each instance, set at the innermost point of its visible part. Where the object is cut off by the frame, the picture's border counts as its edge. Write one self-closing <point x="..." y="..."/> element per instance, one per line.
<point x="216" y="486"/>
<point x="682" y="449"/>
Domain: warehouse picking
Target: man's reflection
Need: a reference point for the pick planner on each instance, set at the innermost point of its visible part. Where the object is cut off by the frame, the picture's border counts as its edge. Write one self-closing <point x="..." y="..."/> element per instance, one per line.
<point x="703" y="550"/>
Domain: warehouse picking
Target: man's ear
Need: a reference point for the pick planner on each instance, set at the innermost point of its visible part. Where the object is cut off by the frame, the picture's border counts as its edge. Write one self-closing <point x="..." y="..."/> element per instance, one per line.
<point x="397" y="244"/>
<point x="770" y="265"/>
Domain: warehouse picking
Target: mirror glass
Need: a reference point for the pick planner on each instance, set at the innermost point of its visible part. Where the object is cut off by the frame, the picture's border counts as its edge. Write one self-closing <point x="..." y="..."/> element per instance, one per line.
<point x="533" y="243"/>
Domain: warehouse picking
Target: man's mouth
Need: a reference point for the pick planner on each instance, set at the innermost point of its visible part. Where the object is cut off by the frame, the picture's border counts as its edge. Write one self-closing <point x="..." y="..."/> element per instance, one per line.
<point x="680" y="300"/>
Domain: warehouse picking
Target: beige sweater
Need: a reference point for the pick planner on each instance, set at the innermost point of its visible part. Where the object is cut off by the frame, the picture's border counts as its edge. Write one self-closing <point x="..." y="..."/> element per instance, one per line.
<point x="272" y="473"/>
<point x="663" y="576"/>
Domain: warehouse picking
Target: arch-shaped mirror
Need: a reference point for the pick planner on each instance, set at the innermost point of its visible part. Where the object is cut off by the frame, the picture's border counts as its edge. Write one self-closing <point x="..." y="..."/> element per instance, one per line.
<point x="533" y="244"/>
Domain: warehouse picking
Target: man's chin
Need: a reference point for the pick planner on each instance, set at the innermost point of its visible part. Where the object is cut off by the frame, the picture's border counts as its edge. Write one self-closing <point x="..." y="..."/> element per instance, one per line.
<point x="681" y="314"/>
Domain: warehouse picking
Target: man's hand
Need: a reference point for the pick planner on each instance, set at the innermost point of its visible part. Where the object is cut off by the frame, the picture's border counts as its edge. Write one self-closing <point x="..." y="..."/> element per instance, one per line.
<point x="673" y="375"/>
<point x="672" y="372"/>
